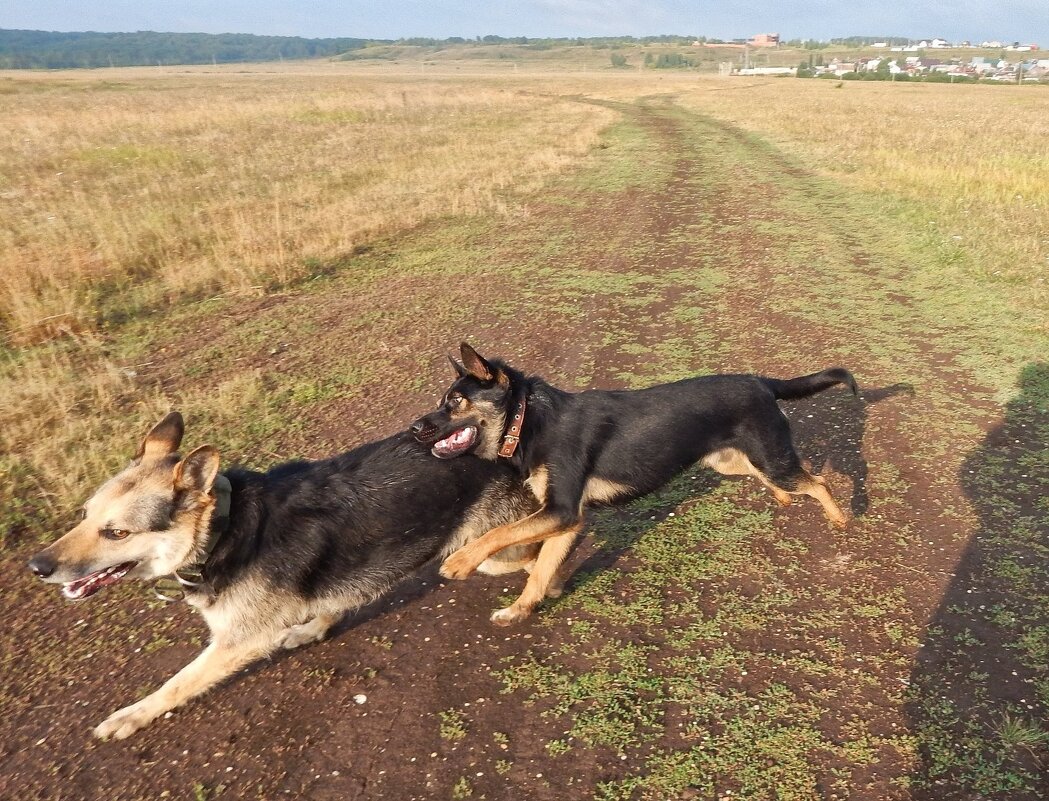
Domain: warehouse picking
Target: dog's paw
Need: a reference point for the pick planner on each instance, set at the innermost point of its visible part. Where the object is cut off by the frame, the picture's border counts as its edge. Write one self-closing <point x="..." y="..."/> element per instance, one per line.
<point x="125" y="722"/>
<point x="509" y="615"/>
<point x="458" y="566"/>
<point x="302" y="634"/>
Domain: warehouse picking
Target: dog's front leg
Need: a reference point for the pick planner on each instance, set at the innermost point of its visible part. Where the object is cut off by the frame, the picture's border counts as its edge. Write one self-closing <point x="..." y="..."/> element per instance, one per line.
<point x="214" y="663"/>
<point x="541" y="579"/>
<point x="313" y="630"/>
<point x="538" y="526"/>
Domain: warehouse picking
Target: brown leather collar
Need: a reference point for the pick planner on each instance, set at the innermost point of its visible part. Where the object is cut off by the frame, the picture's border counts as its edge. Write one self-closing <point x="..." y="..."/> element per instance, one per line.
<point x="513" y="431"/>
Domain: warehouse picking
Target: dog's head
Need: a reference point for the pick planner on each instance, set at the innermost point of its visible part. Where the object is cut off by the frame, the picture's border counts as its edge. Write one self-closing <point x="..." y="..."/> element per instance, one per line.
<point x="472" y="413"/>
<point x="147" y="521"/>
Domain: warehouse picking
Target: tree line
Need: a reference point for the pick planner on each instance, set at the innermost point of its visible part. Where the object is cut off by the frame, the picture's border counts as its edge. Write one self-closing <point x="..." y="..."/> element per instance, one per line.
<point x="55" y="50"/>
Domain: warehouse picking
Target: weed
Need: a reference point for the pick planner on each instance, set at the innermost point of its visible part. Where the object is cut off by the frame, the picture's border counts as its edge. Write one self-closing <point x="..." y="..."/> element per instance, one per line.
<point x="462" y="789"/>
<point x="453" y="725"/>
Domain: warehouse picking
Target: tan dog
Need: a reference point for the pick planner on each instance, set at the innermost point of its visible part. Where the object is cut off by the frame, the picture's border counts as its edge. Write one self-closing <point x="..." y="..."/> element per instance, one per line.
<point x="274" y="559"/>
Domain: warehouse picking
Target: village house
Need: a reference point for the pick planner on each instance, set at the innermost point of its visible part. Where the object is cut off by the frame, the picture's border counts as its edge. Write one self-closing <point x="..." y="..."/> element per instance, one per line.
<point x="764" y="40"/>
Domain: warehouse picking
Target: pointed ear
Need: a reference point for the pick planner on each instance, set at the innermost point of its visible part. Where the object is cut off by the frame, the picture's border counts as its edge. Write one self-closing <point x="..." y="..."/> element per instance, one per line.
<point x="459" y="369"/>
<point x="475" y="363"/>
<point x="163" y="438"/>
<point x="198" y="470"/>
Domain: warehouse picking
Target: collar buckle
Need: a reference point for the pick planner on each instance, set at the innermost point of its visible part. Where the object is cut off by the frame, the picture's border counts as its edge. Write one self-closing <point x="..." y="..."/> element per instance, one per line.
<point x="513" y="433"/>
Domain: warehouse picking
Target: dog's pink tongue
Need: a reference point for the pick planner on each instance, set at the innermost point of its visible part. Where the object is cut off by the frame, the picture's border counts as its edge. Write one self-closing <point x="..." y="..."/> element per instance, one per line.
<point x="450" y="441"/>
<point x="89" y="585"/>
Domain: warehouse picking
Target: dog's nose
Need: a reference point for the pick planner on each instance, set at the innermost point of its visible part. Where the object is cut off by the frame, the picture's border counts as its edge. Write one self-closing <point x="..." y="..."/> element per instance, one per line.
<point x="43" y="565"/>
<point x="423" y="430"/>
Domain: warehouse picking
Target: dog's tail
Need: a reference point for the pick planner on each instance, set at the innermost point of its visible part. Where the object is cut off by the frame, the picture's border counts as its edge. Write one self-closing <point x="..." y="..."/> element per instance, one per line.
<point x="794" y="388"/>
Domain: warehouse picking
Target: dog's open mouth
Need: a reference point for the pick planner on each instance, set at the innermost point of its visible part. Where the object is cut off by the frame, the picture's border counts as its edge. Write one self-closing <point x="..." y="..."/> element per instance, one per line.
<point x="93" y="582"/>
<point x="456" y="443"/>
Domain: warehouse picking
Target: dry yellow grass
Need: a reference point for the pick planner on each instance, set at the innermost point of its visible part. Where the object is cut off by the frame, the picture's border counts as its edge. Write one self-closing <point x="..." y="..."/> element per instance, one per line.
<point x="178" y="184"/>
<point x="71" y="416"/>
<point x="973" y="158"/>
<point x="126" y="191"/>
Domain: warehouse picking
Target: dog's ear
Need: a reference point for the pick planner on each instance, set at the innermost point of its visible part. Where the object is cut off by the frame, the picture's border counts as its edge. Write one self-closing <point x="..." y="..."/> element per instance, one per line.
<point x="198" y="470"/>
<point x="475" y="363"/>
<point x="459" y="369"/>
<point x="163" y="438"/>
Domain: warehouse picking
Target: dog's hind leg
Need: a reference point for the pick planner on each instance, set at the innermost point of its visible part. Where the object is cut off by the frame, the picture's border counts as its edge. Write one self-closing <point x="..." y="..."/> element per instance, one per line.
<point x="816" y="487"/>
<point x="542" y="579"/>
<point x="313" y="630"/>
<point x="214" y="663"/>
<point x="769" y="452"/>
<point x="733" y="462"/>
<point x="788" y="477"/>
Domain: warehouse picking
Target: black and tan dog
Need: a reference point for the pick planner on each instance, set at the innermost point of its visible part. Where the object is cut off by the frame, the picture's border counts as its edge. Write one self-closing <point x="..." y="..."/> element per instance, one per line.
<point x="578" y="449"/>
<point x="275" y="559"/>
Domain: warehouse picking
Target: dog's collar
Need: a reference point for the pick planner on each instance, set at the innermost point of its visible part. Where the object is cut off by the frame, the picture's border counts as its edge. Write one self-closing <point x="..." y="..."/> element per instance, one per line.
<point x="173" y="587"/>
<point x="512" y="437"/>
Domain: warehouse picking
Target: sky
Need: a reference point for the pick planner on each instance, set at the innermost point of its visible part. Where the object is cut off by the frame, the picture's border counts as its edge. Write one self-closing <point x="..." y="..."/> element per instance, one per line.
<point x="955" y="20"/>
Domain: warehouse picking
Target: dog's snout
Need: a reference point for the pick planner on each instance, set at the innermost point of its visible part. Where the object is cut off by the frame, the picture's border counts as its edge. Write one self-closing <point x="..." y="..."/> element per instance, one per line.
<point x="43" y="564"/>
<point x="423" y="430"/>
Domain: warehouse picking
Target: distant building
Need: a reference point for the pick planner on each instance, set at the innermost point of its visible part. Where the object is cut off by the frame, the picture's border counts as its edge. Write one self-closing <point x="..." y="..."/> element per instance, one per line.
<point x="764" y="40"/>
<point x="768" y="71"/>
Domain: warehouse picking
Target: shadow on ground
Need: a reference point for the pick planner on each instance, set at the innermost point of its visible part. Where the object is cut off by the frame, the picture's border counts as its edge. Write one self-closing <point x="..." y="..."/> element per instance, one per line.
<point x="980" y="685"/>
<point x="829" y="430"/>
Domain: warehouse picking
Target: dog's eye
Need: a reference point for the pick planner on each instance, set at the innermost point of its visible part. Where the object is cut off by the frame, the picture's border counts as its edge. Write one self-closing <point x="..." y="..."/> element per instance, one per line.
<point x="457" y="400"/>
<point x="114" y="533"/>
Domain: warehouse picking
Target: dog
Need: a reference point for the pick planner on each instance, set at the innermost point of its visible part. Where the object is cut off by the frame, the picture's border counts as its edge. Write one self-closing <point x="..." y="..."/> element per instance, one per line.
<point x="274" y="559"/>
<point x="609" y="447"/>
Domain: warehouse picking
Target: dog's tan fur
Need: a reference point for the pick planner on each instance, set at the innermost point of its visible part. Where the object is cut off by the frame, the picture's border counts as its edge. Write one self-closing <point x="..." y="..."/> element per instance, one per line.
<point x="732" y="462"/>
<point x="546" y="577"/>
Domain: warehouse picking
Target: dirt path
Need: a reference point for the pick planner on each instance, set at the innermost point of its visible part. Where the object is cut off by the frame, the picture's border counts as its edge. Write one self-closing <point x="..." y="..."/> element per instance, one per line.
<point x="709" y="644"/>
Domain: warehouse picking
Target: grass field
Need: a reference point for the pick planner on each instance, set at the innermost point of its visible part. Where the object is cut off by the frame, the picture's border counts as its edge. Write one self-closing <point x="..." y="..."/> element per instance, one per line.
<point x="264" y="250"/>
<point x="160" y="189"/>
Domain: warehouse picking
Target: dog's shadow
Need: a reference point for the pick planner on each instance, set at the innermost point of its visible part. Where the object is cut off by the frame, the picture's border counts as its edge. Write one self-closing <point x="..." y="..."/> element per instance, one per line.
<point x="829" y="429"/>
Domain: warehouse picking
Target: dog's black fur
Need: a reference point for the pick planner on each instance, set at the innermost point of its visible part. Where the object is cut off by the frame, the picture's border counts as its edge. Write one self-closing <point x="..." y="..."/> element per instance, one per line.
<point x="611" y="446"/>
<point x="363" y="520"/>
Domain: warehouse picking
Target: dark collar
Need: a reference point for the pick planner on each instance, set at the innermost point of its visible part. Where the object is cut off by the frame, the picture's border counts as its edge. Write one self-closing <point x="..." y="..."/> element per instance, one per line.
<point x="190" y="577"/>
<point x="512" y="437"/>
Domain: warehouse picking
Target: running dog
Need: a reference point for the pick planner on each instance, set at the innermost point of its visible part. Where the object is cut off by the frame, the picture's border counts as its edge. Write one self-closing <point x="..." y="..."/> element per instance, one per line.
<point x="609" y="447"/>
<point x="274" y="559"/>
